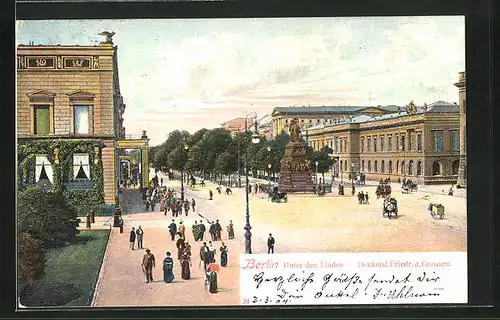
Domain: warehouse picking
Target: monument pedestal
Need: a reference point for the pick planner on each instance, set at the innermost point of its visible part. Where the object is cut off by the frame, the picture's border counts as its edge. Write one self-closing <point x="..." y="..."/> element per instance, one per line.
<point x="295" y="182"/>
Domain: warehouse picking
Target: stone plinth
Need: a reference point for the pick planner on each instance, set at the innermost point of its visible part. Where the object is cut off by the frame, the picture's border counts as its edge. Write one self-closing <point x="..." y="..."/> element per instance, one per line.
<point x="296" y="175"/>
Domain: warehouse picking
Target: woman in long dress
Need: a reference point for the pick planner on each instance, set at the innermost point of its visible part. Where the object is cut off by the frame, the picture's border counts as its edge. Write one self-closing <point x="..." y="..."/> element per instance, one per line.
<point x="168" y="268"/>
<point x="231" y="230"/>
<point x="223" y="255"/>
<point x="185" y="264"/>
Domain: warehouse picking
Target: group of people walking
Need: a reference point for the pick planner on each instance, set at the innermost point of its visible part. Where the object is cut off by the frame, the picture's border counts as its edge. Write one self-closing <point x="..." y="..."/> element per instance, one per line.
<point x="170" y="202"/>
<point x="362" y="197"/>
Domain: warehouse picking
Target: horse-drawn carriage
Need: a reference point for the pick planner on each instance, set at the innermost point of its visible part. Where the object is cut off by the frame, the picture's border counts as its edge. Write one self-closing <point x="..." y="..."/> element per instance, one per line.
<point x="390" y="208"/>
<point x="277" y="196"/>
<point x="409" y="186"/>
<point x="383" y="190"/>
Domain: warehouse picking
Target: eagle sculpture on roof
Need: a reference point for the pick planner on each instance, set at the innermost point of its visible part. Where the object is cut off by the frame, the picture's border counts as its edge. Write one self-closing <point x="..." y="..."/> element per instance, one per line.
<point x="108" y="35"/>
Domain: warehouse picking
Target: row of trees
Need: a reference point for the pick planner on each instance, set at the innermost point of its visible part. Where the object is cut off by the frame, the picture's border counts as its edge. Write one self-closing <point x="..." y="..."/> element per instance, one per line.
<point x="214" y="153"/>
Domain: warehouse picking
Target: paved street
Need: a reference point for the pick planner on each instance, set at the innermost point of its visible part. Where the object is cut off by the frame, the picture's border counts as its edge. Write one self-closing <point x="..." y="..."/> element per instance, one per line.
<point x="304" y="224"/>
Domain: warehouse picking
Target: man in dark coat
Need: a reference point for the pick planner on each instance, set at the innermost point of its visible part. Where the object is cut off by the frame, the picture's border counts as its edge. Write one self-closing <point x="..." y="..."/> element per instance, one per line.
<point x="204" y="255"/>
<point x="366" y="198"/>
<point x="218" y="231"/>
<point x="213" y="231"/>
<point x="172" y="228"/>
<point x="132" y="238"/>
<point x="193" y="204"/>
<point x="210" y="194"/>
<point x="270" y="244"/>
<point x="201" y="230"/>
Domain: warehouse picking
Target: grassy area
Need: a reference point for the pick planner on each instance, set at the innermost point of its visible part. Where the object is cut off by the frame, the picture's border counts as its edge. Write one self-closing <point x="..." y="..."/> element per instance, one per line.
<point x="71" y="273"/>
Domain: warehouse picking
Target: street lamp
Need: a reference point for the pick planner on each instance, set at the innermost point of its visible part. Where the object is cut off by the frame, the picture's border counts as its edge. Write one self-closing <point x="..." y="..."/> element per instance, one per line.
<point x="316" y="163"/>
<point x="186" y="147"/>
<point x="255" y="140"/>
<point x="352" y="173"/>
<point x="269" y="167"/>
<point x="269" y="177"/>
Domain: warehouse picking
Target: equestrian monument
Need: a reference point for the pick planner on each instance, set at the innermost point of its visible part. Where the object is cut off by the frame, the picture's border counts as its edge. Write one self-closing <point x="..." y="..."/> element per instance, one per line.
<point x="295" y="175"/>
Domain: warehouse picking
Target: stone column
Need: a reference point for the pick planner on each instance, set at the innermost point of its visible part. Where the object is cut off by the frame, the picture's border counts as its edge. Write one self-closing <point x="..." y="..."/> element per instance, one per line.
<point x="462" y="167"/>
<point x="145" y="167"/>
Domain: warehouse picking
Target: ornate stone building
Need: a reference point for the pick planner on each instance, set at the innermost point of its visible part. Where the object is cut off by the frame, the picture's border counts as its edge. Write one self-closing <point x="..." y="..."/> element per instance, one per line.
<point x="310" y="116"/>
<point x="423" y="146"/>
<point x="462" y="169"/>
<point x="69" y="118"/>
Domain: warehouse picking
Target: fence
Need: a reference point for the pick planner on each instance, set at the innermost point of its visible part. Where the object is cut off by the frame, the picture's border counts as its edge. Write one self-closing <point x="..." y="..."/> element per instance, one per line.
<point x="100" y="210"/>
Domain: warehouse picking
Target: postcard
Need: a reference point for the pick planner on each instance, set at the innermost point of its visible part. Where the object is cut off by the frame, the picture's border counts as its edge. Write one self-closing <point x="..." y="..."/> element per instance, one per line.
<point x="239" y="162"/>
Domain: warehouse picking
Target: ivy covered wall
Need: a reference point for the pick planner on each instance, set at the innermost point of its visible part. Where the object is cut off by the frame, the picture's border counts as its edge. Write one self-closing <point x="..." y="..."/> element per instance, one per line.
<point x="28" y="149"/>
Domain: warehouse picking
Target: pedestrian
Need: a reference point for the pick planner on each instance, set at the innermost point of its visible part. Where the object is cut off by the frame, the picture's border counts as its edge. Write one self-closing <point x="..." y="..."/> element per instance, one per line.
<point x="92" y="216"/>
<point x="185" y="261"/>
<point x="148" y="263"/>
<point x="195" y="230"/>
<point x="218" y="231"/>
<point x="172" y="228"/>
<point x="140" y="234"/>
<point x="249" y="188"/>
<point x="366" y="198"/>
<point x="168" y="268"/>
<point x="223" y="255"/>
<point x="87" y="221"/>
<point x="210" y="194"/>
<point x="211" y="253"/>
<point x="161" y="181"/>
<point x="270" y="244"/>
<point x="353" y="191"/>
<point x="120" y="223"/>
<point x="450" y="191"/>
<point x="180" y="244"/>
<point x="361" y="197"/>
<point x="193" y="204"/>
<point x="231" y="230"/>
<point x="201" y="228"/>
<point x="132" y="238"/>
<point x="182" y="229"/>
<point x="204" y="255"/>
<point x="211" y="279"/>
<point x="186" y="207"/>
<point x="212" y="231"/>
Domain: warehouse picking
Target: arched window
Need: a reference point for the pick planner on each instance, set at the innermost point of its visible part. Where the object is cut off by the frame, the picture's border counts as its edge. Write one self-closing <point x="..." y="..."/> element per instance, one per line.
<point x="411" y="169"/>
<point x="437" y="168"/>
<point x="369" y="166"/>
<point x="341" y="165"/>
<point x="363" y="166"/>
<point x="397" y="166"/>
<point x="345" y="166"/>
<point x="390" y="166"/>
<point x="382" y="166"/>
<point x="403" y="168"/>
<point x="419" y="168"/>
<point x="375" y="166"/>
<point x="454" y="167"/>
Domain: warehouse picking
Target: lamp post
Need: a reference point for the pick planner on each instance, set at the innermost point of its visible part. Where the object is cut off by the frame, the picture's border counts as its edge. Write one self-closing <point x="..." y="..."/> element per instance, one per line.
<point x="239" y="170"/>
<point x="352" y="173"/>
<point x="316" y="163"/>
<point x="255" y="140"/>
<point x="186" y="147"/>
<point x="269" y="167"/>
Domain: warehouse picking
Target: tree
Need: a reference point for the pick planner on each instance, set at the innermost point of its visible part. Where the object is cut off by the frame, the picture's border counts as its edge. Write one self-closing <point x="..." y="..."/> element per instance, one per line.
<point x="47" y="216"/>
<point x="325" y="162"/>
<point x="31" y="255"/>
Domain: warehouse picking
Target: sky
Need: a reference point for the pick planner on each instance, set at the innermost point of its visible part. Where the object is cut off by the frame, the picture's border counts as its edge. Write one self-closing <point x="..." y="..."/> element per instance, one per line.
<point x="192" y="73"/>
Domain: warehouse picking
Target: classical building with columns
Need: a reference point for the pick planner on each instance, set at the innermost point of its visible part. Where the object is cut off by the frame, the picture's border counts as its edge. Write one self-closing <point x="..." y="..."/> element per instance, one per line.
<point x="423" y="145"/>
<point x="462" y="168"/>
<point x="70" y="120"/>
<point x="316" y="115"/>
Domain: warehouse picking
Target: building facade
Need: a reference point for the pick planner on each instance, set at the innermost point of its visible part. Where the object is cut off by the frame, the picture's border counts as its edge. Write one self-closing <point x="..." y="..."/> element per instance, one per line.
<point x="69" y="119"/>
<point x="423" y="146"/>
<point x="462" y="169"/>
<point x="311" y="116"/>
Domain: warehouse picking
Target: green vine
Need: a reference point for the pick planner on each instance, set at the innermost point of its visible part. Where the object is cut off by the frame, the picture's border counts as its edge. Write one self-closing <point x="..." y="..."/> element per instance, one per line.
<point x="26" y="151"/>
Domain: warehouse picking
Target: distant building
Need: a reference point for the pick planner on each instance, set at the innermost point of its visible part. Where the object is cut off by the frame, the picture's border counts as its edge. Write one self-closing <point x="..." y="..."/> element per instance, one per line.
<point x="265" y="126"/>
<point x="237" y="124"/>
<point x="462" y="170"/>
<point x="69" y="119"/>
<point x="309" y="116"/>
<point x="423" y="146"/>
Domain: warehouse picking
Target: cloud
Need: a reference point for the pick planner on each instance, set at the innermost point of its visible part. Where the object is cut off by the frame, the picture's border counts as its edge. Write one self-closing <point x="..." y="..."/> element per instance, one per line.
<point x="191" y="73"/>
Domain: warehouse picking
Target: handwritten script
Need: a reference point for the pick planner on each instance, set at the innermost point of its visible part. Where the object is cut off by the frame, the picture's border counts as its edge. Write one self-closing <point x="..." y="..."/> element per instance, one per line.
<point x="369" y="278"/>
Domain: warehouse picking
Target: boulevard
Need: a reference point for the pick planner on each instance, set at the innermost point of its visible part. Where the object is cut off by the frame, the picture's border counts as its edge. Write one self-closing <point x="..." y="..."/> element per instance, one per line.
<point x="303" y="224"/>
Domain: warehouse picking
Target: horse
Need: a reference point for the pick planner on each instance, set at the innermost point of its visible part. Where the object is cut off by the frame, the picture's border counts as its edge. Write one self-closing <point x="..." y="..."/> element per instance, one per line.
<point x="390" y="208"/>
<point x="229" y="191"/>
